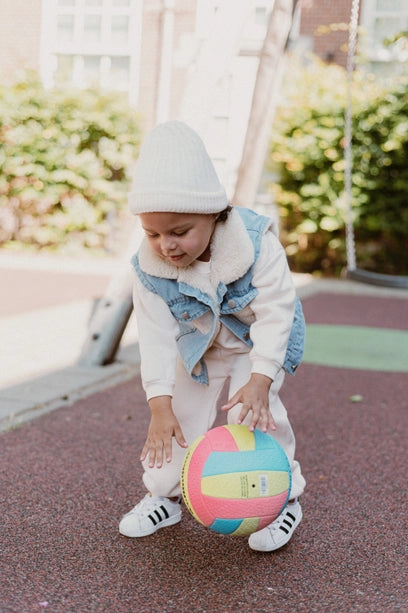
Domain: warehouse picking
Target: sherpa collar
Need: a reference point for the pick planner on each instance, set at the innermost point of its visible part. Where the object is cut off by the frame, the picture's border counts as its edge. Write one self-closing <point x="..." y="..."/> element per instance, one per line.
<point x="232" y="254"/>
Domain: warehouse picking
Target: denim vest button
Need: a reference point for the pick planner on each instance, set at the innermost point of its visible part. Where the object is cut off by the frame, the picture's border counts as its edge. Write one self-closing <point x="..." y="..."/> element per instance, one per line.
<point x="185" y="315"/>
<point x="246" y="336"/>
<point x="231" y="304"/>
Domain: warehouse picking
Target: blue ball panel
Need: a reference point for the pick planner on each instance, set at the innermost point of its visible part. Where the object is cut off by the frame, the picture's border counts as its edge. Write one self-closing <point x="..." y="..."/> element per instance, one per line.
<point x="263" y="440"/>
<point x="225" y="526"/>
<point x="223" y="462"/>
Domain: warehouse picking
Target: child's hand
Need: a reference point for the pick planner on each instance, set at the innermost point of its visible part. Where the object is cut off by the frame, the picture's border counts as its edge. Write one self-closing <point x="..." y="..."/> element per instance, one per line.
<point x="254" y="397"/>
<point x="163" y="426"/>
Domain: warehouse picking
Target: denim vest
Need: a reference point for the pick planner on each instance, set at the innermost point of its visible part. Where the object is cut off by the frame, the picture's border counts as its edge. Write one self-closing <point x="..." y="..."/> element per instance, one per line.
<point x="188" y="303"/>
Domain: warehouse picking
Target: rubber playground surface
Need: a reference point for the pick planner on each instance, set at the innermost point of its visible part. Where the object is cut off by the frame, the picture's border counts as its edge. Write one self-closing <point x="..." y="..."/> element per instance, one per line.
<point x="68" y="476"/>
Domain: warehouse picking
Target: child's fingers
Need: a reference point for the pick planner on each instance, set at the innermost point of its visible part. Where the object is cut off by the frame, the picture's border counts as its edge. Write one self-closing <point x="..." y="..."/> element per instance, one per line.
<point x="144" y="453"/>
<point x="271" y="422"/>
<point x="243" y="413"/>
<point x="262" y="422"/>
<point x="153" y="452"/>
<point x="231" y="402"/>
<point x="254" y="422"/>
<point x="168" y="450"/>
<point x="265" y="421"/>
<point x="156" y="455"/>
<point x="179" y="436"/>
<point x="260" y="418"/>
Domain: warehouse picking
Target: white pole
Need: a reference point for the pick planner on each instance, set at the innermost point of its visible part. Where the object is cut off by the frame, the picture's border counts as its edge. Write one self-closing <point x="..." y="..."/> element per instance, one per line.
<point x="348" y="157"/>
<point x="166" y="62"/>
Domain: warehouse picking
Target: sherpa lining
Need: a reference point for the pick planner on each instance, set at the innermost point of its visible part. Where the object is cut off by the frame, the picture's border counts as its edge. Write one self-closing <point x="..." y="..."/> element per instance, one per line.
<point x="232" y="254"/>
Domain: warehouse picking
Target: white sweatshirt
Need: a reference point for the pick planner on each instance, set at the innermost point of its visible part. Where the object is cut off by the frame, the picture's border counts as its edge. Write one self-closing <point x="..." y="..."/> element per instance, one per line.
<point x="270" y="316"/>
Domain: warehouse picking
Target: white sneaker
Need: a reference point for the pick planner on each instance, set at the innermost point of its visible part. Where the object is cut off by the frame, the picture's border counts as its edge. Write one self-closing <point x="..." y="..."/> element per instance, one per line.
<point x="150" y="514"/>
<point x="280" y="531"/>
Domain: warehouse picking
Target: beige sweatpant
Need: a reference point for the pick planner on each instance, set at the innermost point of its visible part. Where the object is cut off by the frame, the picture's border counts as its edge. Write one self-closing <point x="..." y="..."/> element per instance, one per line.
<point x="195" y="406"/>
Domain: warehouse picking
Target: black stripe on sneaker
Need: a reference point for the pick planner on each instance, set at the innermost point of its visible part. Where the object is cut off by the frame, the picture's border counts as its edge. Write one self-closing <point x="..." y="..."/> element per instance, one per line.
<point x="286" y="520"/>
<point x="156" y="517"/>
<point x="163" y="508"/>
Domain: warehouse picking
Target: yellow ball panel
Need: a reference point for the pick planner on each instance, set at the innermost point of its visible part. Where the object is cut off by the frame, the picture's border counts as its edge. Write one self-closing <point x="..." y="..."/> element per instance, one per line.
<point x="243" y="437"/>
<point x="184" y="477"/>
<point x="254" y="484"/>
<point x="247" y="526"/>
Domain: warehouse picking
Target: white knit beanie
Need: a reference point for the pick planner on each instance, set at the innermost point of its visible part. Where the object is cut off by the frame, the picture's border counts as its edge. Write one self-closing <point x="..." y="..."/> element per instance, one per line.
<point x="174" y="173"/>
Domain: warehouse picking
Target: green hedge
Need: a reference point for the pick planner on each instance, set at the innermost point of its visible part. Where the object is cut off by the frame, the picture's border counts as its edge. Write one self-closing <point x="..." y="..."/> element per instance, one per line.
<point x="64" y="159"/>
<point x="307" y="157"/>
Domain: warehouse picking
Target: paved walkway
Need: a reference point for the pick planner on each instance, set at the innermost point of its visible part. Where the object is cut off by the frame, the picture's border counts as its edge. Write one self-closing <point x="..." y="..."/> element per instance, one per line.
<point x="68" y="476"/>
<point x="45" y="311"/>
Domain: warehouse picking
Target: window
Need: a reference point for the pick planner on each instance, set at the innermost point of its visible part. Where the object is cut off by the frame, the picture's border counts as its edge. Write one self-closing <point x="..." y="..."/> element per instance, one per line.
<point x="381" y="20"/>
<point x="92" y="69"/>
<point x="260" y="15"/>
<point x="65" y="28"/>
<point x="92" y="28"/>
<point x="119" y="72"/>
<point x="256" y="27"/>
<point x="120" y="29"/>
<point x="90" y="43"/>
<point x="65" y="65"/>
<point x="384" y="27"/>
<point x="389" y="5"/>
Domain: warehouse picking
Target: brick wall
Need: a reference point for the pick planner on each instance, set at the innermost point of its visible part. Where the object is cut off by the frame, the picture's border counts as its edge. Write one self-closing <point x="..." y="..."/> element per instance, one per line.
<point x="331" y="46"/>
<point x="20" y="25"/>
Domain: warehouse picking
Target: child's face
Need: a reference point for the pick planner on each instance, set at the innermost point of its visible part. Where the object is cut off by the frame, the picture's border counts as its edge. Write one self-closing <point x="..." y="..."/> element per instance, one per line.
<point x="179" y="238"/>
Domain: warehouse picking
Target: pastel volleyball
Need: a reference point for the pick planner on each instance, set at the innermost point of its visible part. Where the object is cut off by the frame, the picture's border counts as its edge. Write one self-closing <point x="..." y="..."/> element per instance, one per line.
<point x="235" y="481"/>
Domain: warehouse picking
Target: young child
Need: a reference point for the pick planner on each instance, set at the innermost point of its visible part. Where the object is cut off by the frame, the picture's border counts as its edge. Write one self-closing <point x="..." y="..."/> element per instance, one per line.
<point x="214" y="301"/>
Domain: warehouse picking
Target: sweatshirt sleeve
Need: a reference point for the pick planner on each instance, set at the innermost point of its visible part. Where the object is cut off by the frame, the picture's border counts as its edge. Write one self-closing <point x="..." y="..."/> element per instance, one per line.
<point x="274" y="308"/>
<point x="157" y="330"/>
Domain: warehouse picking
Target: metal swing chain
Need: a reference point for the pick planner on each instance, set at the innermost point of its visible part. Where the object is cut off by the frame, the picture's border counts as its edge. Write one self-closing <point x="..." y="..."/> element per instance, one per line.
<point x="348" y="158"/>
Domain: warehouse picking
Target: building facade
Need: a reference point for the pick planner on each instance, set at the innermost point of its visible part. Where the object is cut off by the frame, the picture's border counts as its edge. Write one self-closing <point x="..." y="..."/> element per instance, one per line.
<point x="178" y="57"/>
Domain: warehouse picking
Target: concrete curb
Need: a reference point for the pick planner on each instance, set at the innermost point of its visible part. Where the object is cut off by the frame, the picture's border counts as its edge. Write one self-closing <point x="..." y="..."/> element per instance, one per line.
<point x="30" y="399"/>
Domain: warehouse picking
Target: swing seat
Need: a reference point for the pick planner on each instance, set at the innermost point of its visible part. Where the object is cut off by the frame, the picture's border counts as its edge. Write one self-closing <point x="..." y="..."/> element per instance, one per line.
<point x="376" y="278"/>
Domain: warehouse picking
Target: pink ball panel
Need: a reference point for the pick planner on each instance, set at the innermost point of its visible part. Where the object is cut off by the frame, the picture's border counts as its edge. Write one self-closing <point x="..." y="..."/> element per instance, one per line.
<point x="238" y="509"/>
<point x="221" y="440"/>
<point x="193" y="481"/>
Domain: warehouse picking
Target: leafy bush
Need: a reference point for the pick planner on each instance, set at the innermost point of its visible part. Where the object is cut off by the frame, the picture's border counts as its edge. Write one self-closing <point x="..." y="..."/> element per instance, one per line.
<point x="307" y="154"/>
<point x="64" y="159"/>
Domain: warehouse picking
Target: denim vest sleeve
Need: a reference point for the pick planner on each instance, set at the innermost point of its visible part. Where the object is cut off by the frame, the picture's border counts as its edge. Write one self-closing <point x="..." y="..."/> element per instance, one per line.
<point x="296" y="343"/>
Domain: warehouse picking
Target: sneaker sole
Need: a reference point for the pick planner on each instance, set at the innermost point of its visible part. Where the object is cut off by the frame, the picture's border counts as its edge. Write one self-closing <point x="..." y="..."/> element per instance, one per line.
<point x="281" y="544"/>
<point x="170" y="521"/>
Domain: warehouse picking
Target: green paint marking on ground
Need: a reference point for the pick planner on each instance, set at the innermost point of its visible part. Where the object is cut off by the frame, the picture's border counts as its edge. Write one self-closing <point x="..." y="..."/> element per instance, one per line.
<point x="357" y="347"/>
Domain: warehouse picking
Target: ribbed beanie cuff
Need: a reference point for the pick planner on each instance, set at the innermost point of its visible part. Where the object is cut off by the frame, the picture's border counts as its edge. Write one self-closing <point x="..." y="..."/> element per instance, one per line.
<point x="174" y="173"/>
